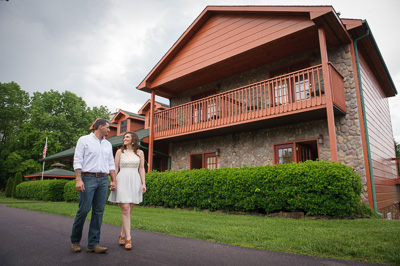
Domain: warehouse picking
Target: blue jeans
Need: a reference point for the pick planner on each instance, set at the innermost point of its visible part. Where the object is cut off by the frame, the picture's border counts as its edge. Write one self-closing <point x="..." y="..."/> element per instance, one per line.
<point x="95" y="195"/>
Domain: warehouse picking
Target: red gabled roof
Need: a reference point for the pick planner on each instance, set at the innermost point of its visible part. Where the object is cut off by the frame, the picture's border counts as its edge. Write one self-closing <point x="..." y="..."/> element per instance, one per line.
<point x="127" y="115"/>
<point x="202" y="54"/>
<point x="146" y="107"/>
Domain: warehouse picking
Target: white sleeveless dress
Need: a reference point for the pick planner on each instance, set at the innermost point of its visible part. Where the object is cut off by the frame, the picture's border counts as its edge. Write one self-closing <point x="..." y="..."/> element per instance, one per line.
<point x="129" y="184"/>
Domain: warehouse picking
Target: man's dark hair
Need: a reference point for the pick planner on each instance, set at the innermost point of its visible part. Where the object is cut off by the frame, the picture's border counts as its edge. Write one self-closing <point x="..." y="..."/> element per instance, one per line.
<point x="99" y="122"/>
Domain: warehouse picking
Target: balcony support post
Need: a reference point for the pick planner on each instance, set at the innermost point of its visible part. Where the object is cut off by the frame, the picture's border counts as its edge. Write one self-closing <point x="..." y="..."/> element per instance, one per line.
<point x="328" y="92"/>
<point x="151" y="133"/>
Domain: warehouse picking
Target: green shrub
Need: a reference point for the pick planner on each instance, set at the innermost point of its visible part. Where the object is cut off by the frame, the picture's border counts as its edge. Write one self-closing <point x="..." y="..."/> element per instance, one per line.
<point x="9" y="186"/>
<point x="365" y="210"/>
<point x="49" y="190"/>
<point x="314" y="187"/>
<point x="17" y="181"/>
<point x="70" y="193"/>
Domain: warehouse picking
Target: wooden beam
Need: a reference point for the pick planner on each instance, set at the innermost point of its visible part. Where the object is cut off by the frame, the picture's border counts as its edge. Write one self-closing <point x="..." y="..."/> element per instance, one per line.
<point x="328" y="93"/>
<point x="151" y="135"/>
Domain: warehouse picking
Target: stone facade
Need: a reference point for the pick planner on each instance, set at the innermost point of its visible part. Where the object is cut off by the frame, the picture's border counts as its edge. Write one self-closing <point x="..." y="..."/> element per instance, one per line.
<point x="348" y="131"/>
<point x="256" y="147"/>
<point x="250" y="148"/>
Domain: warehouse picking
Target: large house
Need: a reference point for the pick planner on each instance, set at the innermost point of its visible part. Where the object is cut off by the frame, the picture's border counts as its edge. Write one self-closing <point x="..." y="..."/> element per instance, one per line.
<point x="259" y="85"/>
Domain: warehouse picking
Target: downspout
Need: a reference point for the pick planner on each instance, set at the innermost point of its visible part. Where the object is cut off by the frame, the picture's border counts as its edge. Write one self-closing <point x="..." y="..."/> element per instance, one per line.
<point x="163" y="154"/>
<point x="365" y="123"/>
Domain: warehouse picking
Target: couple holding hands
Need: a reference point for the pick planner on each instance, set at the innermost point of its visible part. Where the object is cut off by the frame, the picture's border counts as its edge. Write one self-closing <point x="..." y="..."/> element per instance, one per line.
<point x="93" y="162"/>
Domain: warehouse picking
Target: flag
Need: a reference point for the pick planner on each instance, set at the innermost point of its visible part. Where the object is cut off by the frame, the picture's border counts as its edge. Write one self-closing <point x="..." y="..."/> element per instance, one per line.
<point x="45" y="149"/>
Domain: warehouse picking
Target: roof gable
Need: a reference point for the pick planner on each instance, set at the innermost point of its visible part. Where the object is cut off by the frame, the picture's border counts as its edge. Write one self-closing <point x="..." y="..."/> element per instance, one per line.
<point x="126" y="115"/>
<point x="146" y="107"/>
<point x="224" y="36"/>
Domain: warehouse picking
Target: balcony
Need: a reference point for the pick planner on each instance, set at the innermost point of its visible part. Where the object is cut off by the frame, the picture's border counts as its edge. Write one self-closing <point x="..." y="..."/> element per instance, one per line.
<point x="282" y="96"/>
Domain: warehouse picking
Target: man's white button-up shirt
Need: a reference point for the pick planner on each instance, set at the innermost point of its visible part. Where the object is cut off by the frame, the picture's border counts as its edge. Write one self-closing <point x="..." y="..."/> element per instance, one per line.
<point x="93" y="155"/>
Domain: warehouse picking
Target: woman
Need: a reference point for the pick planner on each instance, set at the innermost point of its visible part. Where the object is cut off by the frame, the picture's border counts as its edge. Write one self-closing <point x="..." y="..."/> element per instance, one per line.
<point x="131" y="184"/>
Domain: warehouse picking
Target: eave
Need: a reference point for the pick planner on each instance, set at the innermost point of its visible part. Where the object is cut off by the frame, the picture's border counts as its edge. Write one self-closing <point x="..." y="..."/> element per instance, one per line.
<point x="372" y="53"/>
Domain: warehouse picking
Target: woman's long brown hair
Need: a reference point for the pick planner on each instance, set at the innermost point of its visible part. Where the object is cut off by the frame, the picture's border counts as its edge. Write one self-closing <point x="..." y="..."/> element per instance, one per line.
<point x="135" y="140"/>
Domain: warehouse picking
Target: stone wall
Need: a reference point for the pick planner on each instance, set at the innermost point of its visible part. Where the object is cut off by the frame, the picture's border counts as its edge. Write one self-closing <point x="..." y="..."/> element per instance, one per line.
<point x="252" y="148"/>
<point x="348" y="132"/>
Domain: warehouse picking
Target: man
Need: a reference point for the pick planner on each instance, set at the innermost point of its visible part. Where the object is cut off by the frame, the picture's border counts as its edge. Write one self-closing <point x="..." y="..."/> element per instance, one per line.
<point x="93" y="161"/>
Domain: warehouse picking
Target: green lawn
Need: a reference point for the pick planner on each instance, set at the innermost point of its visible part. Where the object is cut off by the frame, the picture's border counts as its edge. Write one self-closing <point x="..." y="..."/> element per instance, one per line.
<point x="368" y="240"/>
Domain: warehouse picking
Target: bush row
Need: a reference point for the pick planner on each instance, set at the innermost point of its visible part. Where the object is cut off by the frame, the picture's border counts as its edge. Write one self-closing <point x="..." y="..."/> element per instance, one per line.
<point x="53" y="190"/>
<point x="314" y="187"/>
<point x="70" y="193"/>
<point x="49" y="190"/>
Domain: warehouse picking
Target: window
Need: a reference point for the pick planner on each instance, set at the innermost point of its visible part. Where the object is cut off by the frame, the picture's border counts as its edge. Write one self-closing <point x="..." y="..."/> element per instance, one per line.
<point x="203" y="160"/>
<point x="293" y="88"/>
<point x="284" y="153"/>
<point x="296" y="152"/>
<point x="209" y="108"/>
<point x="123" y="126"/>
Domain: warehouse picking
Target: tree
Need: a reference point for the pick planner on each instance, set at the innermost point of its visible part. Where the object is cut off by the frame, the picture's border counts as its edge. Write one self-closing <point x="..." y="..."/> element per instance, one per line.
<point x="397" y="148"/>
<point x="61" y="117"/>
<point x="10" y="183"/>
<point x="26" y="122"/>
<point x="17" y="181"/>
<point x="13" y="109"/>
<point x="14" y="103"/>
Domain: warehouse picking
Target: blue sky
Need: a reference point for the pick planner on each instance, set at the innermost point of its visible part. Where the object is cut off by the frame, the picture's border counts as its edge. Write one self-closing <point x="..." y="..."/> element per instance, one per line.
<point x="102" y="49"/>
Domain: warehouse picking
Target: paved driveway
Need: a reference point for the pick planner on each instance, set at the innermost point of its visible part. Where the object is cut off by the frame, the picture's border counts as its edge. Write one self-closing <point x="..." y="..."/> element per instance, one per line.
<point x="32" y="238"/>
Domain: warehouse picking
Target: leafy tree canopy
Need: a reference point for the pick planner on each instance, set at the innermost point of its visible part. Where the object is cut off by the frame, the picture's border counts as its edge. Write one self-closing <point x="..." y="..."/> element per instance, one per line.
<point x="13" y="109"/>
<point x="61" y="117"/>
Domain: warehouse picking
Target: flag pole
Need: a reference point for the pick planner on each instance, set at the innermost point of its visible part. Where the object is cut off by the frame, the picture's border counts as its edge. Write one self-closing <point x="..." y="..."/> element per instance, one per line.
<point x="44" y="156"/>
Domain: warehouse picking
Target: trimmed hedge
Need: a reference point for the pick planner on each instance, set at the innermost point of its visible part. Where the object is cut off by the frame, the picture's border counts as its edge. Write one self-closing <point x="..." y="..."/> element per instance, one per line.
<point x="49" y="190"/>
<point x="70" y="193"/>
<point x="314" y="187"/>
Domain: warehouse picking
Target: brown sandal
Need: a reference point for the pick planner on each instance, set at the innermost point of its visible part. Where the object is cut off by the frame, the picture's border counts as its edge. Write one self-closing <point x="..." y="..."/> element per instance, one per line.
<point x="128" y="244"/>
<point x="121" y="241"/>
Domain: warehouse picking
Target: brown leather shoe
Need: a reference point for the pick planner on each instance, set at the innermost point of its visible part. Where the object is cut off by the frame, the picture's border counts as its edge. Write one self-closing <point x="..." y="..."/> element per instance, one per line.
<point x="97" y="249"/>
<point x="76" y="248"/>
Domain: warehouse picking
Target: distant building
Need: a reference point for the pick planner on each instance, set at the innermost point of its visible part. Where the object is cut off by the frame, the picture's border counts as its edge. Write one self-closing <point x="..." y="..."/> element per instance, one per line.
<point x="56" y="173"/>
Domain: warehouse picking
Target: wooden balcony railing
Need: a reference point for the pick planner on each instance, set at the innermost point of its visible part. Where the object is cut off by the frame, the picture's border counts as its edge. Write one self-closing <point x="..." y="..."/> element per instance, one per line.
<point x="293" y="92"/>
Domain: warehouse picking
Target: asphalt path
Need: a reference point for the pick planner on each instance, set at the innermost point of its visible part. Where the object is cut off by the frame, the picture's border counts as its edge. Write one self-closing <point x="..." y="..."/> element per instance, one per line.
<point x="33" y="238"/>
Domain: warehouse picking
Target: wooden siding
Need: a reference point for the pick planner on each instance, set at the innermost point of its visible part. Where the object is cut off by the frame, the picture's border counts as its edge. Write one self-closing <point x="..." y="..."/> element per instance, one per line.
<point x="292" y="93"/>
<point x="224" y="36"/>
<point x="380" y="138"/>
<point x="135" y="125"/>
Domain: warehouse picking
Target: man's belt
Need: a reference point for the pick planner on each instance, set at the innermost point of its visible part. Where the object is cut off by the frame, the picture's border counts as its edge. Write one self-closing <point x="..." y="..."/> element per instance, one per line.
<point x="94" y="174"/>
